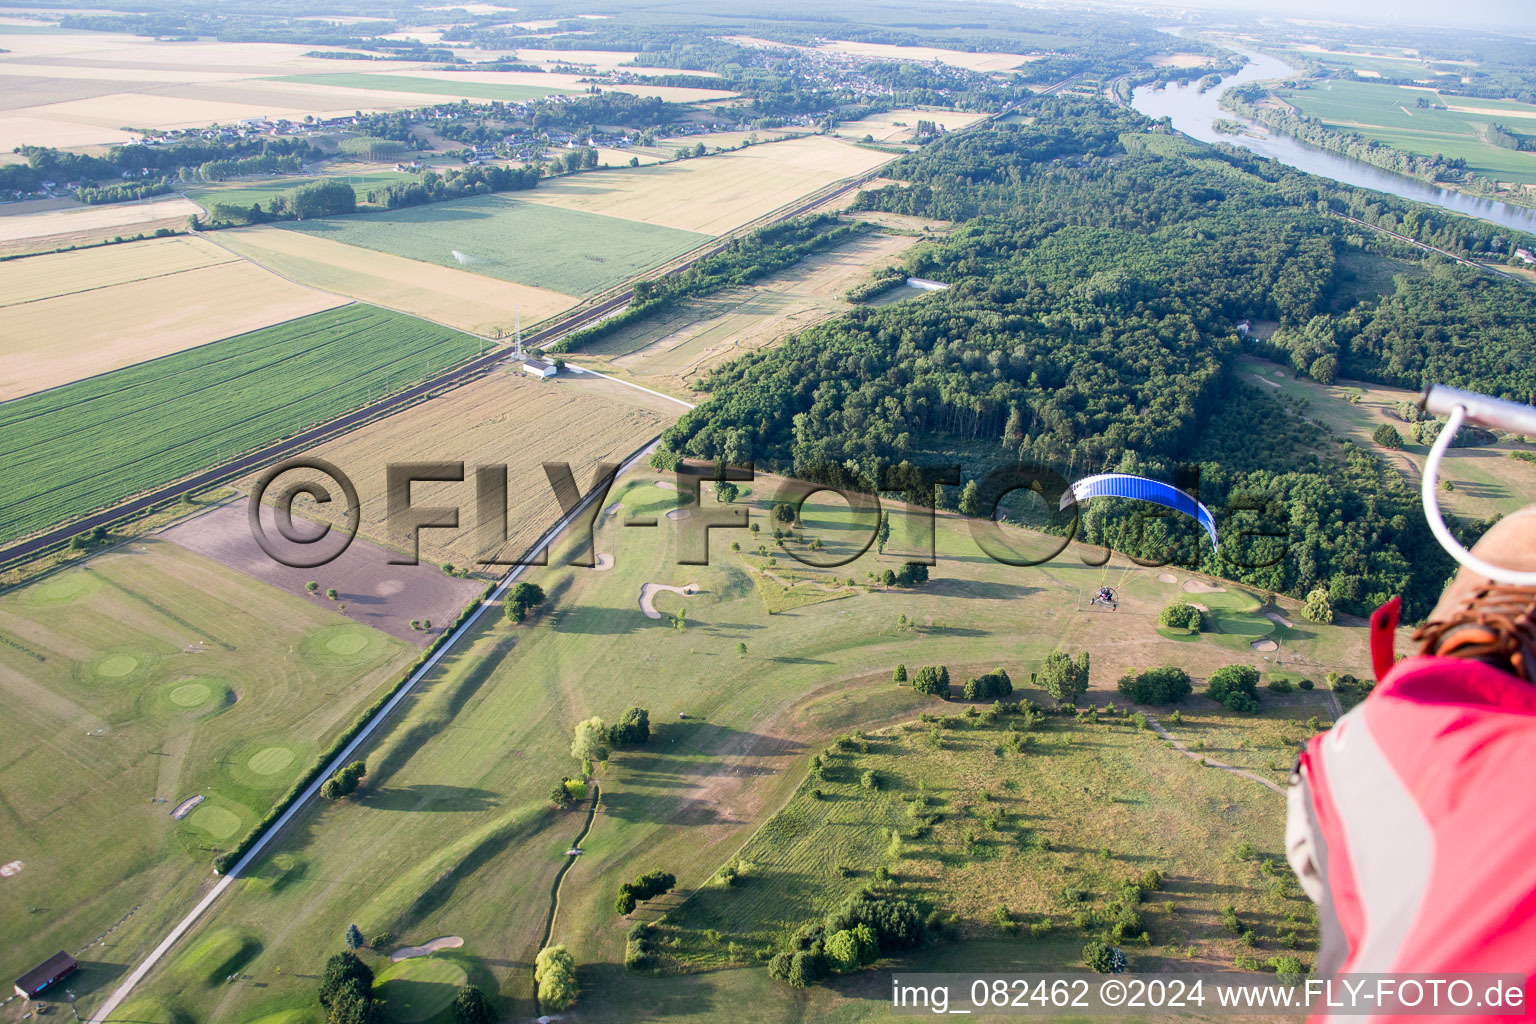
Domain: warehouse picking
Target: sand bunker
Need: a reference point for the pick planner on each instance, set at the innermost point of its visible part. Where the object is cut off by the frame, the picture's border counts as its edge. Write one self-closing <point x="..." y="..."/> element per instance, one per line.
<point x="11" y="870"/>
<point x="679" y="513"/>
<point x="426" y="948"/>
<point x="1194" y="586"/>
<point x="604" y="563"/>
<point x="1167" y="577"/>
<point x="1279" y="619"/>
<point x="1265" y="645"/>
<point x="649" y="590"/>
<point x="185" y="807"/>
<point x="611" y="509"/>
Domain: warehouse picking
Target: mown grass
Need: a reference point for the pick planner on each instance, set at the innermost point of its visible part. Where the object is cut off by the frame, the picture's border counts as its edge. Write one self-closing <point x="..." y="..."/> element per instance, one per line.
<point x="94" y="442"/>
<point x="453" y="834"/>
<point x="567" y="251"/>
<point x="146" y="677"/>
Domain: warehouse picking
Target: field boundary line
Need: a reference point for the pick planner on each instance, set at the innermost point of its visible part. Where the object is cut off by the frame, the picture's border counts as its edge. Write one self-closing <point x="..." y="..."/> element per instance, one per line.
<point x="628" y="384"/>
<point x="1206" y="762"/>
<point x="474" y="611"/>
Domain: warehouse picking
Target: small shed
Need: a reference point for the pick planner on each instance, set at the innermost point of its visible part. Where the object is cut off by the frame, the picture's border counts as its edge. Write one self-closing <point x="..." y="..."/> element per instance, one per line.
<point x="539" y="368"/>
<point x="45" y="975"/>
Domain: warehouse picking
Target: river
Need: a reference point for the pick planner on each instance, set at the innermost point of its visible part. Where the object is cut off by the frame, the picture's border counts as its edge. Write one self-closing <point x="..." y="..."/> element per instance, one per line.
<point x="1194" y="113"/>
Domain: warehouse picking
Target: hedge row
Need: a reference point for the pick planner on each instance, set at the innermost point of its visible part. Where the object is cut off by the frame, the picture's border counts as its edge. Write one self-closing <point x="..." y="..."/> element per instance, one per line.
<point x="229" y="858"/>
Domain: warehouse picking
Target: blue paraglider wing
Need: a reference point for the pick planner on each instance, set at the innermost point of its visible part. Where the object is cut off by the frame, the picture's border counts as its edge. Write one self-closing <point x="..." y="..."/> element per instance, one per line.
<point x="1140" y="488"/>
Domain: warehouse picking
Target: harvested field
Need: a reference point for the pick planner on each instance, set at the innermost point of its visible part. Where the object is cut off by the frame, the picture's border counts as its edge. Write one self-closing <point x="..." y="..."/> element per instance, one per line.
<point x="470" y="302"/>
<point x="901" y="125"/>
<point x="532" y="243"/>
<point x="716" y="193"/>
<point x="22" y="221"/>
<point x="463" y="85"/>
<point x="66" y="316"/>
<point x="148" y="681"/>
<point x="671" y="350"/>
<point x="506" y="419"/>
<point x="369" y="589"/>
<point x="177" y="414"/>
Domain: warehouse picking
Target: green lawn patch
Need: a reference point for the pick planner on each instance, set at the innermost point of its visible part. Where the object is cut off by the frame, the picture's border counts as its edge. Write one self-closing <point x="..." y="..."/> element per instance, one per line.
<point x="419" y="989"/>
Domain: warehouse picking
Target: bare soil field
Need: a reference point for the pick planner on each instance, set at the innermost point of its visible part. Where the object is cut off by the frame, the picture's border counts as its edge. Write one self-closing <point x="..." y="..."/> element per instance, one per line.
<point x="901" y="125"/>
<point x="713" y="194"/>
<point x="673" y="351"/>
<point x="66" y="316"/>
<point x="46" y="218"/>
<point x="369" y="589"/>
<point x="470" y="302"/>
<point x="504" y="418"/>
<point x="83" y="88"/>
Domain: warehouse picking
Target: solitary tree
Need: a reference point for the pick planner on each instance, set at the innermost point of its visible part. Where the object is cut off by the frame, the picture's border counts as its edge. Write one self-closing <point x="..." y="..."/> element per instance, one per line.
<point x="900" y="675"/>
<point x="741" y="648"/>
<point x="970" y="499"/>
<point x="1064" y="679"/>
<point x="554" y="972"/>
<point x="344" y="972"/>
<point x="354" y="937"/>
<point x="591" y="740"/>
<point x="1387" y="436"/>
<point x="1317" y="607"/>
<point x="331" y="593"/>
<point x="1098" y="957"/>
<point x="883" y="534"/>
<point x="471" y="1006"/>
<point x="522" y="597"/>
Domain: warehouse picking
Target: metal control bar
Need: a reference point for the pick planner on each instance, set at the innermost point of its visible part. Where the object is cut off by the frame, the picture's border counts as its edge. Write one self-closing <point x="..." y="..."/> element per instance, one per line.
<point x="1461" y="408"/>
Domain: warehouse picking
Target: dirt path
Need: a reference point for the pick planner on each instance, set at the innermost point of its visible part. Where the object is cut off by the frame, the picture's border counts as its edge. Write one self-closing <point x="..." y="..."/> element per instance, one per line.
<point x="1181" y="748"/>
<point x="554" y="889"/>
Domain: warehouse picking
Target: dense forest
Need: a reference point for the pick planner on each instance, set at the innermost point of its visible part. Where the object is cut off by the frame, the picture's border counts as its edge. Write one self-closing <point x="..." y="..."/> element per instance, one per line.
<point x="1097" y="276"/>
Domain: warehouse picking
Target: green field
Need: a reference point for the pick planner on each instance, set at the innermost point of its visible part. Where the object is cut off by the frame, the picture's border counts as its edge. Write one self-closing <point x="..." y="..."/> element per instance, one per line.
<point x="568" y="251"/>
<point x="997" y="813"/>
<point x="245" y="193"/>
<point x="1387" y="114"/>
<point x="94" y="442"/>
<point x="436" y="87"/>
<point x="456" y="804"/>
<point x="149" y="676"/>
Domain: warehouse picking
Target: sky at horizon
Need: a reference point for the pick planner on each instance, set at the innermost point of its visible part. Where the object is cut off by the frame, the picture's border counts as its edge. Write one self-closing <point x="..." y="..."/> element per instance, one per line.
<point x="1510" y="15"/>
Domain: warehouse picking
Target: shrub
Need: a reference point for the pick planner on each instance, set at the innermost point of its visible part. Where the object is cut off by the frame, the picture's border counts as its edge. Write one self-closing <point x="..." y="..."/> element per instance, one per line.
<point x="900" y="675"/>
<point x="1233" y="679"/>
<point x="932" y="681"/>
<point x="1279" y="686"/>
<point x="1181" y="615"/>
<point x="1165" y="685"/>
<point x="1317" y="607"/>
<point x="1305" y="684"/>
<point x="990" y="686"/>
<point x="1097" y="957"/>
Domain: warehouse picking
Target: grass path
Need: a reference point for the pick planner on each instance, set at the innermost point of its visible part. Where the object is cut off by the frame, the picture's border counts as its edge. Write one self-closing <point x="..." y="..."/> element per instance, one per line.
<point x="1178" y="745"/>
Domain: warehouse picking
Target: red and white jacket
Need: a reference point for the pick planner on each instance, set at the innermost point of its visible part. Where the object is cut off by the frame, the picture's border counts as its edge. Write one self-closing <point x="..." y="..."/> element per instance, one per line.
<point x="1412" y="822"/>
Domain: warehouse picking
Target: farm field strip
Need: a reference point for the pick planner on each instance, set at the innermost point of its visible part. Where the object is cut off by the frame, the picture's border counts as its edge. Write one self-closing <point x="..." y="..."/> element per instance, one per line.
<point x="503" y="417"/>
<point x="422" y="85"/>
<point x="17" y="225"/>
<point x="180" y="413"/>
<point x="716" y="193"/>
<point x="1389" y="115"/>
<point x="541" y="245"/>
<point x="67" y="273"/>
<point x="70" y="337"/>
<point x="471" y="302"/>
